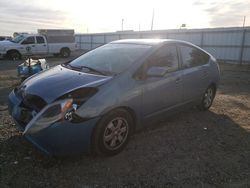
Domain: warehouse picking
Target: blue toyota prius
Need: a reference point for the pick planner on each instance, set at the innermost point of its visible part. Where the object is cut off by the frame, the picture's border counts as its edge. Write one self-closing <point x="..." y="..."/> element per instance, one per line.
<point x="95" y="102"/>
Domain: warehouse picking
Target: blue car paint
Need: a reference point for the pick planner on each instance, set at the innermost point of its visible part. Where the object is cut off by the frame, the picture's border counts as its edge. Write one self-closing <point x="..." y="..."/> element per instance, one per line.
<point x="65" y="138"/>
<point x="142" y="97"/>
<point x="63" y="79"/>
<point x="60" y="138"/>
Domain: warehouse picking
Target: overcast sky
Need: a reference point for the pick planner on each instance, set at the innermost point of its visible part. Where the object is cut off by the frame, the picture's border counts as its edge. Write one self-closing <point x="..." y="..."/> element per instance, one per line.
<point x="106" y="15"/>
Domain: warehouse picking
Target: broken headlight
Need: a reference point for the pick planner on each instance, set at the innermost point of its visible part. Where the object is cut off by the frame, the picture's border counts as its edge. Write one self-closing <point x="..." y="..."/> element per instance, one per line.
<point x="50" y="114"/>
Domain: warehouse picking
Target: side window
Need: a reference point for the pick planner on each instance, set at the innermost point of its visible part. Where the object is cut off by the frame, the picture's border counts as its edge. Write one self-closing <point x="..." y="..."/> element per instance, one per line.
<point x="166" y="57"/>
<point x="40" y="40"/>
<point x="29" y="40"/>
<point x="192" y="57"/>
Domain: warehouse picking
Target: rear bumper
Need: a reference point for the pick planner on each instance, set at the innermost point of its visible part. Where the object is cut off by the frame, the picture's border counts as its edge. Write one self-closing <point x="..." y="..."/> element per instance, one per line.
<point x="59" y="139"/>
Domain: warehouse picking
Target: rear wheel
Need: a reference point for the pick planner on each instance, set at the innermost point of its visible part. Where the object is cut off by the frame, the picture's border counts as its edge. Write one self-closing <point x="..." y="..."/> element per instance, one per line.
<point x="65" y="52"/>
<point x="112" y="133"/>
<point x="208" y="98"/>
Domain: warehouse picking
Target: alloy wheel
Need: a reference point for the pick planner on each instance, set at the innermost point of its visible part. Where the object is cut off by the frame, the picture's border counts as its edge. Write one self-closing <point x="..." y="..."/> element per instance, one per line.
<point x="115" y="133"/>
<point x="208" y="97"/>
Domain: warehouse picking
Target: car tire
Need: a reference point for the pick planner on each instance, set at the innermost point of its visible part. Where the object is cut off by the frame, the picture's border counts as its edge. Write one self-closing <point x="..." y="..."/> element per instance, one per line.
<point x="65" y="52"/>
<point x="112" y="133"/>
<point x="14" y="55"/>
<point x="208" y="98"/>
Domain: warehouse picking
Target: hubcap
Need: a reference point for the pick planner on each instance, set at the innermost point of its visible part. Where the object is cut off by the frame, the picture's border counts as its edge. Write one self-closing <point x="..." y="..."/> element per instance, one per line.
<point x="65" y="54"/>
<point x="208" y="97"/>
<point x="15" y="56"/>
<point x="115" y="133"/>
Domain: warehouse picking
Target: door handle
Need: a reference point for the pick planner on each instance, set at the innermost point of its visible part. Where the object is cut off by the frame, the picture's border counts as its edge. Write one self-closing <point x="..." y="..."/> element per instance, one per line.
<point x="177" y="80"/>
<point x="205" y="73"/>
<point x="44" y="45"/>
<point x="33" y="45"/>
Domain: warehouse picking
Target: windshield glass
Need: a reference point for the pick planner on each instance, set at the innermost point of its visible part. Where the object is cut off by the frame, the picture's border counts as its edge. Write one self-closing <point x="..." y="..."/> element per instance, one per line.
<point x="111" y="58"/>
<point x="18" y="38"/>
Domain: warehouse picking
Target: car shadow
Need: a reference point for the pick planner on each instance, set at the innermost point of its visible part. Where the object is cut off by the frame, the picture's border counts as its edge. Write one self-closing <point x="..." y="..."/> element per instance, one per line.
<point x="191" y="148"/>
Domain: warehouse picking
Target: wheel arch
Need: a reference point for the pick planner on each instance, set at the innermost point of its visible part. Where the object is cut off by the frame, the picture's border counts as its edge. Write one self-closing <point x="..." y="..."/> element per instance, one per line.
<point x="129" y="110"/>
<point x="213" y="85"/>
<point x="13" y="50"/>
<point x="64" y="48"/>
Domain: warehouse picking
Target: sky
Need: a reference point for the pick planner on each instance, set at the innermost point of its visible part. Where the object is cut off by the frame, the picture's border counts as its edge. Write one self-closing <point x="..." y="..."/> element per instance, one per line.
<point x="94" y="16"/>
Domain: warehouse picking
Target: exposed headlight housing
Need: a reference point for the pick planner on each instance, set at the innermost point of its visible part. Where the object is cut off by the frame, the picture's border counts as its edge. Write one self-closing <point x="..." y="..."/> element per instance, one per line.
<point x="50" y="114"/>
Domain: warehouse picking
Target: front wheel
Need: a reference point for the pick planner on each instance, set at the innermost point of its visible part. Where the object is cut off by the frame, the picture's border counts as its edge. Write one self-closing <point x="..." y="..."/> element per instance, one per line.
<point x="208" y="98"/>
<point x="112" y="133"/>
<point x="14" y="55"/>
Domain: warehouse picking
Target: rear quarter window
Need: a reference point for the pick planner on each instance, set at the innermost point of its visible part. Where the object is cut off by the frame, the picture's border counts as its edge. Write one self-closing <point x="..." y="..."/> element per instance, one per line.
<point x="40" y="40"/>
<point x="192" y="56"/>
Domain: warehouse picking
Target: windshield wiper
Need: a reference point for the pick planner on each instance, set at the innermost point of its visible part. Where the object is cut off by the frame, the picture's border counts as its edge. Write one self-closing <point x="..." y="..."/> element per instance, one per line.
<point x="80" y="68"/>
<point x="91" y="69"/>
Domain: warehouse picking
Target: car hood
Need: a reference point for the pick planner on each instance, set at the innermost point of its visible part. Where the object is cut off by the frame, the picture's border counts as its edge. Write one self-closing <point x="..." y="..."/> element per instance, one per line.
<point x="55" y="82"/>
<point x="7" y="43"/>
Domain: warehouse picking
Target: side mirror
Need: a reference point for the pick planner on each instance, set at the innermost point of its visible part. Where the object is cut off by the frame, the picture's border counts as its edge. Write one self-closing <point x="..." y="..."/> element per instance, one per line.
<point x="157" y="71"/>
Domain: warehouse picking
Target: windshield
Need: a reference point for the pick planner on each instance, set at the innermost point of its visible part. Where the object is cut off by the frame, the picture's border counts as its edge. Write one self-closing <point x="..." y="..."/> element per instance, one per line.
<point x="17" y="39"/>
<point x="111" y="58"/>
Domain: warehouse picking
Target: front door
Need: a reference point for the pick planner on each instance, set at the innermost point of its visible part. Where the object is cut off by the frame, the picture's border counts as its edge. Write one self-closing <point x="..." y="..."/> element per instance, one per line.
<point x="29" y="46"/>
<point x="162" y="92"/>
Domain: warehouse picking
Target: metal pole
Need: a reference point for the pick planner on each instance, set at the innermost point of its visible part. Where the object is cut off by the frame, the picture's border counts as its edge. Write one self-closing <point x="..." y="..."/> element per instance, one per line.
<point x="202" y="38"/>
<point x="91" y="44"/>
<point x="122" y="24"/>
<point x="105" y="40"/>
<point x="242" y="46"/>
<point x="244" y="21"/>
<point x="80" y="42"/>
<point x="152" y="23"/>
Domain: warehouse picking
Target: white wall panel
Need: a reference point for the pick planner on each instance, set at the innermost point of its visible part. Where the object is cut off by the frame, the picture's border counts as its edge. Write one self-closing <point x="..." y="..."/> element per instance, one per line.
<point x="224" y="53"/>
<point x="223" y="43"/>
<point x="223" y="38"/>
<point x="110" y="38"/>
<point x="98" y="39"/>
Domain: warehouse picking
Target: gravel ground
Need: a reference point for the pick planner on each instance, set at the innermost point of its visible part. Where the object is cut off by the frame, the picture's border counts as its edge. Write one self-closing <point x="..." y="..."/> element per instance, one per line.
<point x="189" y="149"/>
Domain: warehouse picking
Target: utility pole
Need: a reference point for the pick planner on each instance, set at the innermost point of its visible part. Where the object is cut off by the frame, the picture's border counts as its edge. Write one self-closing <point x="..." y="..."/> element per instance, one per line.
<point x="152" y="23"/>
<point x="244" y="21"/>
<point x="122" y="23"/>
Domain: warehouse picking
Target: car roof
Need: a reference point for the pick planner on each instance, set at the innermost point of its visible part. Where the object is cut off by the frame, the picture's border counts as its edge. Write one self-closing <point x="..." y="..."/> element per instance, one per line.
<point x="151" y="42"/>
<point x="155" y="42"/>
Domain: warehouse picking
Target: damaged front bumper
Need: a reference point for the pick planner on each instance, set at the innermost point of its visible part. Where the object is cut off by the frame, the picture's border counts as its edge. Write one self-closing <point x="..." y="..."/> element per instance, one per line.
<point x="60" y="138"/>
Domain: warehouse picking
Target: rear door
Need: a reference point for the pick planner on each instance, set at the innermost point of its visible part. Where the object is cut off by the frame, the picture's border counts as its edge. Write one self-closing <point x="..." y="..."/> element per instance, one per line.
<point x="41" y="45"/>
<point x="162" y="93"/>
<point x="195" y="66"/>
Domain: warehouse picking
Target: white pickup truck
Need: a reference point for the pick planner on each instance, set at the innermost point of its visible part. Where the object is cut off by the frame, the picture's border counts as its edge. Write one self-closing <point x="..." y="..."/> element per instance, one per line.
<point x="46" y="42"/>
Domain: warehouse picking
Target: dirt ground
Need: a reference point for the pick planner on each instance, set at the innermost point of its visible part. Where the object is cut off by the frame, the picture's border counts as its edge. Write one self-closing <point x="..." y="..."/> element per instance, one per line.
<point x="189" y="149"/>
